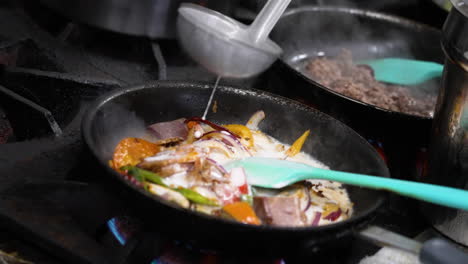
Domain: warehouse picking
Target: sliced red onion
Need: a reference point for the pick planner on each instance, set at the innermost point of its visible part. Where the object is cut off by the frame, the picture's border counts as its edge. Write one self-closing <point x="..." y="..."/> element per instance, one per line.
<point x="223" y="142"/>
<point x="227" y="142"/>
<point x="316" y="220"/>
<point x="225" y="138"/>
<point x="212" y="133"/>
<point x="309" y="199"/>
<point x="237" y="142"/>
<point x="201" y="143"/>
<point x="217" y="165"/>
<point x="213" y="125"/>
<point x="333" y="215"/>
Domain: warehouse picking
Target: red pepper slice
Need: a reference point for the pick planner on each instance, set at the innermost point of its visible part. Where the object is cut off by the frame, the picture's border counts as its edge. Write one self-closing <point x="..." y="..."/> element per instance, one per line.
<point x="213" y="125"/>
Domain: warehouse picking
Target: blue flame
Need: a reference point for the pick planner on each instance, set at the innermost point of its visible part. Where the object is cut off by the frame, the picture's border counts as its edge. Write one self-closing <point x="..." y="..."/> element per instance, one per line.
<point x="112" y="224"/>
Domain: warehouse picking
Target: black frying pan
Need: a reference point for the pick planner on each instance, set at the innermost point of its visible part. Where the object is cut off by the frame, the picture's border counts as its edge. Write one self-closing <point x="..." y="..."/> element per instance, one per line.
<point x="125" y="113"/>
<point x="311" y="31"/>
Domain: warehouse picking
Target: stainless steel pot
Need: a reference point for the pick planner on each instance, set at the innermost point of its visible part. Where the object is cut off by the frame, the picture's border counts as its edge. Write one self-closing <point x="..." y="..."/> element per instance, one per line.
<point x="151" y="18"/>
<point x="448" y="162"/>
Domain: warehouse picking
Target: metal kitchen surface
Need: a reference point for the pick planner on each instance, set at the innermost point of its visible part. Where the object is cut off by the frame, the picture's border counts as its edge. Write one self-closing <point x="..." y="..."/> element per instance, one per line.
<point x="53" y="208"/>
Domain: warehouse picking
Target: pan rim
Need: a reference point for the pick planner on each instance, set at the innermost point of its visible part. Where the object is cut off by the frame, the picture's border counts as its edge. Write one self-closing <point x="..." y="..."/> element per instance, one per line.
<point x="361" y="12"/>
<point x="91" y="111"/>
<point x="407" y="23"/>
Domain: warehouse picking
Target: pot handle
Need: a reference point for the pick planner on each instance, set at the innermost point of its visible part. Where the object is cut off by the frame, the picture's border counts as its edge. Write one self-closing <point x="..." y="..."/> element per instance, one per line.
<point x="438" y="251"/>
<point x="433" y="251"/>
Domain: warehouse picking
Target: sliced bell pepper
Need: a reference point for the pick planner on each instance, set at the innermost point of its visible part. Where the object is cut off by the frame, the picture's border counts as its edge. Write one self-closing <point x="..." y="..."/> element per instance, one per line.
<point x="196" y="197"/>
<point x="242" y="212"/>
<point x="243" y="132"/>
<point x="297" y="145"/>
<point x="244" y="189"/>
<point x="191" y="124"/>
<point x="331" y="211"/>
<point x="144" y="175"/>
<point x="130" y="151"/>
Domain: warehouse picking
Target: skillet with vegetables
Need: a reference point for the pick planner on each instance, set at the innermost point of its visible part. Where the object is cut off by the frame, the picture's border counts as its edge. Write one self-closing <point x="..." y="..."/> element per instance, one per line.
<point x="182" y="161"/>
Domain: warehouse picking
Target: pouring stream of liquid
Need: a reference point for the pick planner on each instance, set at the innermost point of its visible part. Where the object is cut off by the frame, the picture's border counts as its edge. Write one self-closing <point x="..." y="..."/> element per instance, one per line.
<point x="211" y="97"/>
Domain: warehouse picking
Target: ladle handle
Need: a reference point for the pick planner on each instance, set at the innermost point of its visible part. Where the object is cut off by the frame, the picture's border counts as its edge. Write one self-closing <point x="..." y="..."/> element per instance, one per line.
<point x="266" y="19"/>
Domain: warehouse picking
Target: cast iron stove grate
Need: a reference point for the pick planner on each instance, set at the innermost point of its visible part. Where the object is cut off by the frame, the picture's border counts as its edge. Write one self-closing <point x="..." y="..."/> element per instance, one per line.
<point x="51" y="208"/>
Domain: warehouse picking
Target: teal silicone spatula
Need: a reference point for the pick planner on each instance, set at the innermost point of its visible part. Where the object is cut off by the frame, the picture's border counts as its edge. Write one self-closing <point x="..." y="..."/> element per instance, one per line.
<point x="274" y="173"/>
<point x="403" y="71"/>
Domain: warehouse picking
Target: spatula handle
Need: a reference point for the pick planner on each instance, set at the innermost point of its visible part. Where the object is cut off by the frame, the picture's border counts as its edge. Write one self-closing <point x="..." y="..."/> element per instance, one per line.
<point x="446" y="196"/>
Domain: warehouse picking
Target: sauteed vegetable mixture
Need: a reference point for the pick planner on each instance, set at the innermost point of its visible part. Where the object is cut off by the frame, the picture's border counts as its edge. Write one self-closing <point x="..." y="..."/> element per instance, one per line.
<point x="183" y="163"/>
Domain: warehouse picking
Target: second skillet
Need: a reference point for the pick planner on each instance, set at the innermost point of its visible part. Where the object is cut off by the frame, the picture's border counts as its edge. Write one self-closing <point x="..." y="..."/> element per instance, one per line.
<point x="313" y="31"/>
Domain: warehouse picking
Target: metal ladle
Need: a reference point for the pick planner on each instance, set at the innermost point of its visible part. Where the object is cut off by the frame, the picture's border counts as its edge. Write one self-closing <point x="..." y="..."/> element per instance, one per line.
<point x="227" y="47"/>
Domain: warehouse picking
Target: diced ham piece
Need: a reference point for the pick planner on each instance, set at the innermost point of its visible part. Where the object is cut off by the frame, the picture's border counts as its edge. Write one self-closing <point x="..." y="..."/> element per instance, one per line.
<point x="279" y="210"/>
<point x="170" y="129"/>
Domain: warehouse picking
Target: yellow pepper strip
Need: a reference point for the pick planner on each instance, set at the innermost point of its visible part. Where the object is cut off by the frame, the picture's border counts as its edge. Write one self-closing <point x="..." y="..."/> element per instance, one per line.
<point x="329" y="208"/>
<point x="243" y="132"/>
<point x="131" y="151"/>
<point x="297" y="145"/>
<point x="242" y="212"/>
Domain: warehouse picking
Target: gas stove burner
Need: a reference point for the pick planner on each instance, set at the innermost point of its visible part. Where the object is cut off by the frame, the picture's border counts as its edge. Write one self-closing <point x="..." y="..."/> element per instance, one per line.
<point x="51" y="192"/>
<point x="46" y="113"/>
<point x="123" y="228"/>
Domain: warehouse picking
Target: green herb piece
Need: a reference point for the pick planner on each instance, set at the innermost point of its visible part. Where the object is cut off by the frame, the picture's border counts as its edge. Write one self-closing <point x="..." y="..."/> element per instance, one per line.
<point x="196" y="197"/>
<point x="144" y="175"/>
<point x="247" y="198"/>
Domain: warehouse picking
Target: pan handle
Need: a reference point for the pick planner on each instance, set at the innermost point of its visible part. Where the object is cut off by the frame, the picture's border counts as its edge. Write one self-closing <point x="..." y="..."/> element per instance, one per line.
<point x="433" y="251"/>
<point x="437" y="250"/>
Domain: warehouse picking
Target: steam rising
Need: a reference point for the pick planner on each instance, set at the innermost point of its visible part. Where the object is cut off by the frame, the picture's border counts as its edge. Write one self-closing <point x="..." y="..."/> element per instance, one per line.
<point x="330" y="142"/>
<point x="115" y="123"/>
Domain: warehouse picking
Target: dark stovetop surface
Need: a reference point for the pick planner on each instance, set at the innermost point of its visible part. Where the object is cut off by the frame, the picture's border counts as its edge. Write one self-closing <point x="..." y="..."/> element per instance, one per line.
<point x="52" y="209"/>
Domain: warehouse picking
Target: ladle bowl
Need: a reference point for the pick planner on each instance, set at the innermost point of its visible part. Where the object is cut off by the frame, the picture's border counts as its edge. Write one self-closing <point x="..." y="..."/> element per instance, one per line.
<point x="225" y="46"/>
